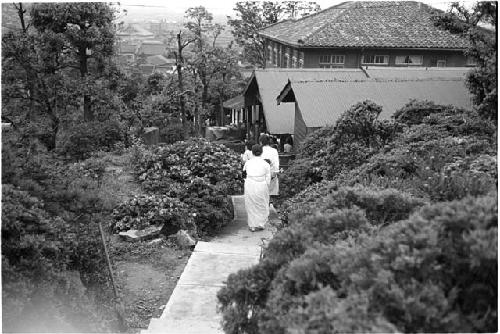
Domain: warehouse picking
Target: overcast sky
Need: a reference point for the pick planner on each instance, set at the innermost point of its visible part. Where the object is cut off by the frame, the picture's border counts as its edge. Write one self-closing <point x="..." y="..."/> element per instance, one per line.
<point x="219" y="7"/>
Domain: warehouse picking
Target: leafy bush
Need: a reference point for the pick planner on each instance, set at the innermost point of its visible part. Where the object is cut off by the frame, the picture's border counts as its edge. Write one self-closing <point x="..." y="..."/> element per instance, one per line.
<point x="300" y="169"/>
<point x="82" y="140"/>
<point x="201" y="174"/>
<point x="172" y="132"/>
<point x="328" y="151"/>
<point x="47" y="268"/>
<point x="51" y="242"/>
<point x="381" y="205"/>
<point x="435" y="272"/>
<point x="316" y="142"/>
<point x="142" y="211"/>
<point x="322" y="219"/>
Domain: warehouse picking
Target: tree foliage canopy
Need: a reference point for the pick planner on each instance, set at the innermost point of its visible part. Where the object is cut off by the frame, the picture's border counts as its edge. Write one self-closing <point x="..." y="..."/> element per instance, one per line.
<point x="252" y="16"/>
<point x="482" y="80"/>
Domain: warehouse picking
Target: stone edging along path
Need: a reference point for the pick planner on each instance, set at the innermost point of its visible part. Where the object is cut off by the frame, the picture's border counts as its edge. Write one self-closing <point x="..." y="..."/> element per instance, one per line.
<point x="192" y="306"/>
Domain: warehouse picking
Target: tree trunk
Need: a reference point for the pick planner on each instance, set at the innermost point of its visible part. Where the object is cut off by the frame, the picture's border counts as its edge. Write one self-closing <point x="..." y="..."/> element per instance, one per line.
<point x="88" y="114"/>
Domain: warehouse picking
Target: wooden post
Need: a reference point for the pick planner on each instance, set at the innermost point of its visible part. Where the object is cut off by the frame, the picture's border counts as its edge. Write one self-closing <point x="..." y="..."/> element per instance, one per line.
<point x="118" y="303"/>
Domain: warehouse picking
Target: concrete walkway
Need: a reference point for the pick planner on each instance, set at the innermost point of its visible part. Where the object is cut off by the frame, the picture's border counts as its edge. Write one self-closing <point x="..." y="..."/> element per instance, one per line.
<point x="191" y="308"/>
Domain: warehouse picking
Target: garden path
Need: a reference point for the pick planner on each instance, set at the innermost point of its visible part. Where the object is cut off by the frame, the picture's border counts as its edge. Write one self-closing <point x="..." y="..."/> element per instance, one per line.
<point x="191" y="308"/>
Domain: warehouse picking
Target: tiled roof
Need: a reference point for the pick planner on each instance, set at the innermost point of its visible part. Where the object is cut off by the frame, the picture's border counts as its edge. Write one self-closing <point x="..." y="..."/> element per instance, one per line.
<point x="152" y="48"/>
<point x="322" y="102"/>
<point x="134" y="30"/>
<point x="280" y="118"/>
<point x="384" y="24"/>
<point x="159" y="60"/>
<point x="235" y="103"/>
<point x="128" y="48"/>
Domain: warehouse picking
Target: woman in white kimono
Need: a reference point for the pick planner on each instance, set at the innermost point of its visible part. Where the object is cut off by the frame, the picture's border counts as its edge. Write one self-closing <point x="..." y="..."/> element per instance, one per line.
<point x="272" y="155"/>
<point x="257" y="190"/>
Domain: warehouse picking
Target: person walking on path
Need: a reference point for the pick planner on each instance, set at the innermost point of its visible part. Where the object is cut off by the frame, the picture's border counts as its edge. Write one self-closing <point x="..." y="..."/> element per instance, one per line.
<point x="272" y="155"/>
<point x="248" y="151"/>
<point x="257" y="189"/>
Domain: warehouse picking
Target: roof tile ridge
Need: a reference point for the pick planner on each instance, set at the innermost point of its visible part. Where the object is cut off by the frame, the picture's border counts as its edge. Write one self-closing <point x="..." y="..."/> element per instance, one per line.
<point x="356" y="4"/>
<point x="349" y="3"/>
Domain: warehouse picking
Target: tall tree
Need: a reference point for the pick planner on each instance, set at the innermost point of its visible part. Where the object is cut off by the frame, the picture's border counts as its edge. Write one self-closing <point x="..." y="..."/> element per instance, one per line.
<point x="84" y="33"/>
<point x="252" y="16"/>
<point x="482" y="80"/>
<point x="204" y="60"/>
<point x="43" y="64"/>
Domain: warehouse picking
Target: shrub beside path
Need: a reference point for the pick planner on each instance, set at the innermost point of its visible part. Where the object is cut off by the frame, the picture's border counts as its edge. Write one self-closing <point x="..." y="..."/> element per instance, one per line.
<point x="192" y="306"/>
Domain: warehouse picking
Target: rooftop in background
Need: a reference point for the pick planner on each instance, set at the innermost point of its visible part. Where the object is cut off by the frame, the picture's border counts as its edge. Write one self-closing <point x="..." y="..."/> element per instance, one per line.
<point x="159" y="60"/>
<point x="151" y="48"/>
<point x="322" y="102"/>
<point x="128" y="48"/>
<point x="135" y="30"/>
<point x="384" y="24"/>
<point x="271" y="81"/>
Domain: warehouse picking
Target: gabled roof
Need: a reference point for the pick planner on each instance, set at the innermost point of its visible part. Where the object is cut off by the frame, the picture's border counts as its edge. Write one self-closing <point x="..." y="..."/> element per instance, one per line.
<point x="128" y="48"/>
<point x="152" y="48"/>
<point x="322" y="102"/>
<point x="279" y="118"/>
<point x="376" y="24"/>
<point x="134" y="30"/>
<point x="236" y="102"/>
<point x="159" y="60"/>
<point x="146" y="69"/>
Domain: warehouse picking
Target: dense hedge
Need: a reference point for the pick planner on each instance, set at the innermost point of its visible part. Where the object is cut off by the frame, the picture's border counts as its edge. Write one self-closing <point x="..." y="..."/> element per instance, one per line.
<point x="195" y="177"/>
<point x="399" y="236"/>
<point x="435" y="272"/>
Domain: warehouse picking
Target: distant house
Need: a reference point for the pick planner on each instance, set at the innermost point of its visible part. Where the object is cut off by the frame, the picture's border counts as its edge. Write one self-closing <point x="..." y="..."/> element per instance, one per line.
<point x="321" y="102"/>
<point x="133" y="32"/>
<point x="365" y="33"/>
<point x="161" y="64"/>
<point x="152" y="48"/>
<point x="127" y="52"/>
<point x="146" y="69"/>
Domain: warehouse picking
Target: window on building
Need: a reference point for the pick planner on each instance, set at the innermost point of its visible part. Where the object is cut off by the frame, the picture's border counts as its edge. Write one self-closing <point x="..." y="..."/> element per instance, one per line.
<point x="441" y="63"/>
<point x="275" y="56"/>
<point x="409" y="60"/>
<point x="294" y="62"/>
<point x="270" y="53"/>
<point x="375" y="59"/>
<point x="331" y="61"/>
<point x="471" y="61"/>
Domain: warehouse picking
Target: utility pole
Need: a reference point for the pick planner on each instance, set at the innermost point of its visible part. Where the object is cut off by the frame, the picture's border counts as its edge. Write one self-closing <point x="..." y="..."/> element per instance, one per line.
<point x="179" y="61"/>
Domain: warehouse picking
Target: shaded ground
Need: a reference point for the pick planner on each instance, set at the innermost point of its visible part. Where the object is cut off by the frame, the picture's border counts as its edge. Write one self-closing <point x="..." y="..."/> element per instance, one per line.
<point x="146" y="274"/>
